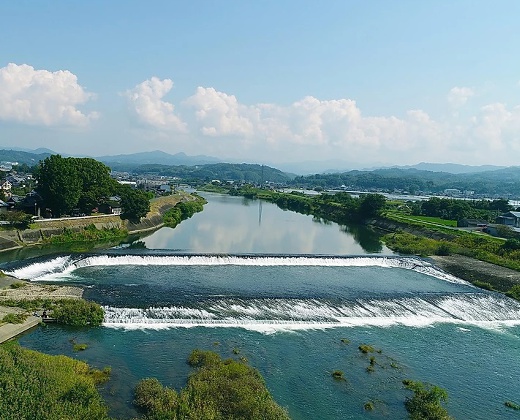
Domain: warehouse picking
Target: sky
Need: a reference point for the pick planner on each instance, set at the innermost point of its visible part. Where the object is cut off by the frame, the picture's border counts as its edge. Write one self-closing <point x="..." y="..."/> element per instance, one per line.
<point x="362" y="82"/>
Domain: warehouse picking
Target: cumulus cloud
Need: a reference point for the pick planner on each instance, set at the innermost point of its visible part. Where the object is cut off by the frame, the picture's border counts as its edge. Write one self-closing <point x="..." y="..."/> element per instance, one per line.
<point x="41" y="97"/>
<point x="336" y="126"/>
<point x="220" y="114"/>
<point x="458" y="96"/>
<point x="146" y="101"/>
<point x="316" y="129"/>
<point x="497" y="128"/>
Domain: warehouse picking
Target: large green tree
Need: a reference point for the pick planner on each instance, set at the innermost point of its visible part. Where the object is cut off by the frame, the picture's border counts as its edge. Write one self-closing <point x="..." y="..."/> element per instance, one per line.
<point x="96" y="183"/>
<point x="69" y="183"/>
<point x="59" y="184"/>
<point x="134" y="203"/>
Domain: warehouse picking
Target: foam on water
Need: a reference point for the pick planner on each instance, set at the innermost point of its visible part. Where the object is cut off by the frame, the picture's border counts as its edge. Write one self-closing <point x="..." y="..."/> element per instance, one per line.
<point x="270" y="315"/>
<point x="62" y="267"/>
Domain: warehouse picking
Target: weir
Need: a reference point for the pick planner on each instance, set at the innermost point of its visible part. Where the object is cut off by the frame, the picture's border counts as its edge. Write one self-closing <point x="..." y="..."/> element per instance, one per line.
<point x="326" y="298"/>
<point x="480" y="309"/>
<point x="53" y="268"/>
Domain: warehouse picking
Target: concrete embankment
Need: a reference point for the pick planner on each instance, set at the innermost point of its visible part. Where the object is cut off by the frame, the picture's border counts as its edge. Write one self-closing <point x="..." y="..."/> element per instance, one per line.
<point x="466" y="268"/>
<point x="44" y="229"/>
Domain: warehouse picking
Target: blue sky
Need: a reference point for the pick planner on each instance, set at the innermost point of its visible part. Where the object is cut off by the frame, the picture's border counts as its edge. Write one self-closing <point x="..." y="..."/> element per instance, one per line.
<point x="363" y="82"/>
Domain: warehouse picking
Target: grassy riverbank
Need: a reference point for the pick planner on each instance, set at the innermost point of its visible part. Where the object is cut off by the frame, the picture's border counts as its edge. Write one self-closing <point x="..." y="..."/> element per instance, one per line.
<point x="183" y="210"/>
<point x="38" y="386"/>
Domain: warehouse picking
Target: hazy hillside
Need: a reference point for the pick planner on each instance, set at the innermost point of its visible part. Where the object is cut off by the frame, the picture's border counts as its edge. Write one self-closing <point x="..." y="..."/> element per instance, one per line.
<point x="501" y="182"/>
<point x="19" y="156"/>
<point x="221" y="171"/>
<point x="156" y="157"/>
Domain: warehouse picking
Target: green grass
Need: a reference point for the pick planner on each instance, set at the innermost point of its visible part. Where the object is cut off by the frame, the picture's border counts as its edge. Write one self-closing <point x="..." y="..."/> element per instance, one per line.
<point x="87" y="234"/>
<point x="39" y="386"/>
<point x="14" y="318"/>
<point x="435" y="220"/>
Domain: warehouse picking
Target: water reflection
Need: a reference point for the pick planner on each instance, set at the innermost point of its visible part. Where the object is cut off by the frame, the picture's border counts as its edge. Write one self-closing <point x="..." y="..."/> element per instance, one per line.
<point x="239" y="225"/>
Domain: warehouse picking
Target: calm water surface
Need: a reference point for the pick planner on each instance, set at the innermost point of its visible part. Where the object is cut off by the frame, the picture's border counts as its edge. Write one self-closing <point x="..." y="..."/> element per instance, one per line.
<point x="285" y="290"/>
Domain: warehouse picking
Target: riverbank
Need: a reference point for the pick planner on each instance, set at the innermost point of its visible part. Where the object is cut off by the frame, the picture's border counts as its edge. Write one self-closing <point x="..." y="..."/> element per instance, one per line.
<point x="12" y="289"/>
<point x="42" y="231"/>
<point x="478" y="272"/>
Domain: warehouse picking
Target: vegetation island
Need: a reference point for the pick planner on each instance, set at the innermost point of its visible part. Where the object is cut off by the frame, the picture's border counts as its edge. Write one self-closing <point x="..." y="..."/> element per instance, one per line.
<point x="72" y="190"/>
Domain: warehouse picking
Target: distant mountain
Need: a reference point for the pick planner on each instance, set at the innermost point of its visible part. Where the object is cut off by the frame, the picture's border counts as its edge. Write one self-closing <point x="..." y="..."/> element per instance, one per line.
<point x="156" y="157"/>
<point x="221" y="171"/>
<point x="491" y="183"/>
<point x="29" y="158"/>
<point x="338" y="166"/>
<point x="317" y="166"/>
<point x="452" y="168"/>
<point x="23" y="149"/>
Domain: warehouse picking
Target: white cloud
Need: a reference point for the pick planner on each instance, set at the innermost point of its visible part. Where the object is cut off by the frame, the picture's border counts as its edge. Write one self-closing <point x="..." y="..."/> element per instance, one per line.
<point x="332" y="126"/>
<point x="458" y="96"/>
<point x="497" y="128"/>
<point x="310" y="128"/>
<point x="220" y="114"/>
<point x="145" y="101"/>
<point x="41" y="97"/>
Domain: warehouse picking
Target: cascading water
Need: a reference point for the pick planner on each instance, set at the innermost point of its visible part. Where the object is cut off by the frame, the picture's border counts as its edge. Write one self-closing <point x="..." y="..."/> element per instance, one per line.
<point x="272" y="292"/>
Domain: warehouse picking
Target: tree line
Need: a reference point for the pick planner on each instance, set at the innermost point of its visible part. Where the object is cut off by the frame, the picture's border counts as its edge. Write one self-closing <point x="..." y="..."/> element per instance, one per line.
<point x="452" y="209"/>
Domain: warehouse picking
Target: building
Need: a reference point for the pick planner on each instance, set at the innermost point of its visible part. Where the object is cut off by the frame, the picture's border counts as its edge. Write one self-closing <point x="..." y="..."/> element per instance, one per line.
<point x="6" y="186"/>
<point x="511" y="218"/>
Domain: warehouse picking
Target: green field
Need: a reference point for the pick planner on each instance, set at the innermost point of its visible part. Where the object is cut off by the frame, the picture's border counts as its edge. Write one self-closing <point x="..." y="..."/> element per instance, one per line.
<point x="427" y="219"/>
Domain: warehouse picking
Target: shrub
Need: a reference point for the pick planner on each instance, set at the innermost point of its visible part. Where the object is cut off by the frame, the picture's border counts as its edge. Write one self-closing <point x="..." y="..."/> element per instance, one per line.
<point x="338" y="374"/>
<point x="365" y="348"/>
<point x="514" y="292"/>
<point x="510" y="404"/>
<point x="78" y="312"/>
<point x="443" y="249"/>
<point x="218" y="389"/>
<point x="14" y="318"/>
<point x="426" y="402"/>
<point x="79" y="347"/>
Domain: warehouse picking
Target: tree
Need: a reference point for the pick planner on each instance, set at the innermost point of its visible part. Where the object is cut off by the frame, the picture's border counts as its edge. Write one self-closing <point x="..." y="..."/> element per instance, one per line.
<point x="371" y="205"/>
<point x="96" y="184"/>
<point x="134" y="203"/>
<point x="68" y="183"/>
<point x="59" y="184"/>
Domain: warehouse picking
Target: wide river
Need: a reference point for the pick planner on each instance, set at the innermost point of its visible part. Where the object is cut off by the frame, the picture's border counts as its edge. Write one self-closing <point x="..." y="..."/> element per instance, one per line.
<point x="296" y="297"/>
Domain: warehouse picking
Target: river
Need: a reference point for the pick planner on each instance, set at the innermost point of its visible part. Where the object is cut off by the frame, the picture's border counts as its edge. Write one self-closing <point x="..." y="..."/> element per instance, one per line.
<point x="296" y="297"/>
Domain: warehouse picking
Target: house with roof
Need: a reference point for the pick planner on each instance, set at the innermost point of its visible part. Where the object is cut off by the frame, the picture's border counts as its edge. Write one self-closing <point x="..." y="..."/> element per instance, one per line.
<point x="6" y="186"/>
<point x="111" y="206"/>
<point x="511" y="218"/>
<point x="14" y="201"/>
